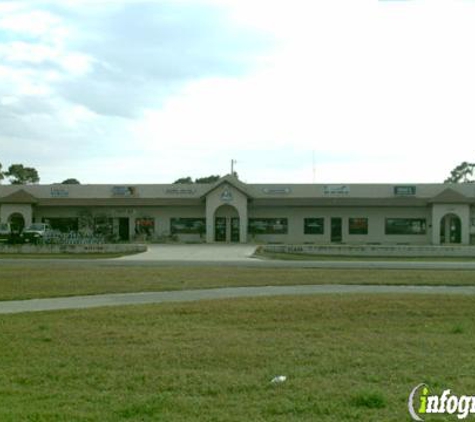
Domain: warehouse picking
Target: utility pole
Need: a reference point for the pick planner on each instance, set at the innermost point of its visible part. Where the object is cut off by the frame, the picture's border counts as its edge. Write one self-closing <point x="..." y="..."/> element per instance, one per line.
<point x="313" y="165"/>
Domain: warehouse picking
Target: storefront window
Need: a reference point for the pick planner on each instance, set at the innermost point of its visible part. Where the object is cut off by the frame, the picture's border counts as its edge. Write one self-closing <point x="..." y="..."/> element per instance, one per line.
<point x="64" y="225"/>
<point x="358" y="226"/>
<point x="313" y="225"/>
<point x="268" y="225"/>
<point x="103" y="226"/>
<point x="145" y="226"/>
<point x="405" y="226"/>
<point x="188" y="225"/>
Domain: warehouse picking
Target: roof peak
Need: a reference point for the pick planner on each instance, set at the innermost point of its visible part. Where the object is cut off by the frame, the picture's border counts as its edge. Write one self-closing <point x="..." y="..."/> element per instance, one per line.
<point x="232" y="180"/>
<point x="450" y="196"/>
<point x="19" y="197"/>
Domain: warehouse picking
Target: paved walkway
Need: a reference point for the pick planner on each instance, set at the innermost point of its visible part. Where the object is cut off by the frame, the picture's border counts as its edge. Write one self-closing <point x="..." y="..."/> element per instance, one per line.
<point x="242" y="255"/>
<point x="233" y="255"/>
<point x="201" y="252"/>
<point x="83" y="302"/>
<point x="244" y="262"/>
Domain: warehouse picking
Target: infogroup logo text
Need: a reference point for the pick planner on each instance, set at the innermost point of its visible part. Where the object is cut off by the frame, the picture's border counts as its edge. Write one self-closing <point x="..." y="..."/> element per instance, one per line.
<point x="421" y="403"/>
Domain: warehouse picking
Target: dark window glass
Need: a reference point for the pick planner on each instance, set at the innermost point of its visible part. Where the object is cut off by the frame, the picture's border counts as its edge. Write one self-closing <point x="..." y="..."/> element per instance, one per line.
<point x="268" y="226"/>
<point x="103" y="226"/>
<point x="313" y="225"/>
<point x="405" y="226"/>
<point x="188" y="225"/>
<point x="145" y="225"/>
<point x="358" y="226"/>
<point x="64" y="225"/>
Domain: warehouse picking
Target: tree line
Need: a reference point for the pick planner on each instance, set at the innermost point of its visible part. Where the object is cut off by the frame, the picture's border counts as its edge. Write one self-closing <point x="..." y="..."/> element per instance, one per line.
<point x="19" y="174"/>
<point x="203" y="180"/>
<point x="463" y="173"/>
<point x="189" y="180"/>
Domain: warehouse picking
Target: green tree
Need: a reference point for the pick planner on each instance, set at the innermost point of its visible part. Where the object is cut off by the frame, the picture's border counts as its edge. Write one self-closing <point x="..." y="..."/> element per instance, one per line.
<point x="462" y="173"/>
<point x="183" y="181"/>
<point x="71" y="182"/>
<point x="189" y="180"/>
<point x="2" y="176"/>
<point x="209" y="179"/>
<point x="18" y="174"/>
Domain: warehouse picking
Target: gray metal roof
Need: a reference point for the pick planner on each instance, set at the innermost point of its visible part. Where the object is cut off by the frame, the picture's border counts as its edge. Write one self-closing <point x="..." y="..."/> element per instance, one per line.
<point x="263" y="194"/>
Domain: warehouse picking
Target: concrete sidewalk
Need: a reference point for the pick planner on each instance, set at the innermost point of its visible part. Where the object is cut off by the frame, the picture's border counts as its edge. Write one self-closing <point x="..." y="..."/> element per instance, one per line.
<point x="199" y="252"/>
<point x="83" y="302"/>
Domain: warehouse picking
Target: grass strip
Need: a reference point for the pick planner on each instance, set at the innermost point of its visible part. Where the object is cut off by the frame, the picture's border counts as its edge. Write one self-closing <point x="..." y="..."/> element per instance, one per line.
<point x="346" y="358"/>
<point x="39" y="281"/>
<point x="86" y="256"/>
<point x="284" y="256"/>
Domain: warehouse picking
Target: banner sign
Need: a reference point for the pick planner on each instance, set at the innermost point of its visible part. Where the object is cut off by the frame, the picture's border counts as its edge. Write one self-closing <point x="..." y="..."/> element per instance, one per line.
<point x="277" y="191"/>
<point x="336" y="190"/>
<point x="59" y="192"/>
<point x="180" y="191"/>
<point x="125" y="191"/>
<point x="404" y="190"/>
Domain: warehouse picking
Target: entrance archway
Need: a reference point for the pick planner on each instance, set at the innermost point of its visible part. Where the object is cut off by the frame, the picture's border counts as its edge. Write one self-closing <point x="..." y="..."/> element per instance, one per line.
<point x="226" y="224"/>
<point x="450" y="229"/>
<point x="17" y="222"/>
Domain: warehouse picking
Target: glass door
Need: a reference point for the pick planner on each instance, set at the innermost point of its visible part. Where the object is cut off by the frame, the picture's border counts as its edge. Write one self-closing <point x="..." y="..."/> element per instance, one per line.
<point x="124" y="229"/>
<point x="235" y="229"/>
<point x="336" y="232"/>
<point x="220" y="229"/>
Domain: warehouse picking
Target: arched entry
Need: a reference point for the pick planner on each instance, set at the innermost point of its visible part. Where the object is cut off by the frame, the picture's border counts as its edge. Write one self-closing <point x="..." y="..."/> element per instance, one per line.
<point x="17" y="222"/>
<point x="450" y="229"/>
<point x="226" y="224"/>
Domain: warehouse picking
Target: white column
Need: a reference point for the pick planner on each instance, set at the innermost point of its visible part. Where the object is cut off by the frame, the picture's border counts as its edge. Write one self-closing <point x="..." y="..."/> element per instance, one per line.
<point x="465" y="224"/>
<point x="209" y="224"/>
<point x="131" y="228"/>
<point x="435" y="225"/>
<point x="243" y="223"/>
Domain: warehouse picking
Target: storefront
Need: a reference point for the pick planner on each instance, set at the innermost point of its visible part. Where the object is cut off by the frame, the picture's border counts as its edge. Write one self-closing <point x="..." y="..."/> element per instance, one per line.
<point x="232" y="211"/>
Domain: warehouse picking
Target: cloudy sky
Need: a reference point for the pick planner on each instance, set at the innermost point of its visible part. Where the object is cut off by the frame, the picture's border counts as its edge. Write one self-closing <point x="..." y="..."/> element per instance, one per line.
<point x="111" y="91"/>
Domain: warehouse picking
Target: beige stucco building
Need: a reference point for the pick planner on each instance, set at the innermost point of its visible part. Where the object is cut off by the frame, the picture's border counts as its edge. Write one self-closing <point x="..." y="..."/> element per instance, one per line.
<point x="232" y="211"/>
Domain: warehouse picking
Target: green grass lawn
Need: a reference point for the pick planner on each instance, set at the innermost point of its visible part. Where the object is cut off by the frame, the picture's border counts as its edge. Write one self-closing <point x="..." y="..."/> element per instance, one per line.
<point x="38" y="281"/>
<point x="63" y="255"/>
<point x="284" y="256"/>
<point x="346" y="358"/>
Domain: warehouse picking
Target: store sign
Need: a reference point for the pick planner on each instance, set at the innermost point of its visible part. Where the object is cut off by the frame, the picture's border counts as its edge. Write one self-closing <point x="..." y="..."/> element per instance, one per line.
<point x="336" y="190"/>
<point x="59" y="192"/>
<point x="180" y="191"/>
<point x="277" y="191"/>
<point x="404" y="190"/>
<point x="124" y="191"/>
<point x="227" y="195"/>
<point x="123" y="212"/>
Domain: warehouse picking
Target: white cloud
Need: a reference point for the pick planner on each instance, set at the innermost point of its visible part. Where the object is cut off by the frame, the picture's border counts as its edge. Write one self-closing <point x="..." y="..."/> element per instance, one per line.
<point x="380" y="91"/>
<point x="35" y="23"/>
<point x="382" y="85"/>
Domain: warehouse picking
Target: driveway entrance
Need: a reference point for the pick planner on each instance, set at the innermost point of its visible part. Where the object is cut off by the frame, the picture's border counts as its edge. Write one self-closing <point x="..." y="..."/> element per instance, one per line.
<point x="202" y="252"/>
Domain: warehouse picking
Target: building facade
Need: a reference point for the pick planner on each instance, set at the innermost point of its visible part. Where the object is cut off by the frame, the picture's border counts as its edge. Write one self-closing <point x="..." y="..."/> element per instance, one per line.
<point x="232" y="211"/>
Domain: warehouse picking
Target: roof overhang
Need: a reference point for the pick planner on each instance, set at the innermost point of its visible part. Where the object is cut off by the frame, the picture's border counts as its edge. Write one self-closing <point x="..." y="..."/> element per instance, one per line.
<point x="450" y="196"/>
<point x="230" y="180"/>
<point x="19" y="197"/>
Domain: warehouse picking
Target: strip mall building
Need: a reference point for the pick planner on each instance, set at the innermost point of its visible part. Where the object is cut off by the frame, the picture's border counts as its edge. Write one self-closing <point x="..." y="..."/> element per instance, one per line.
<point x="232" y="211"/>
